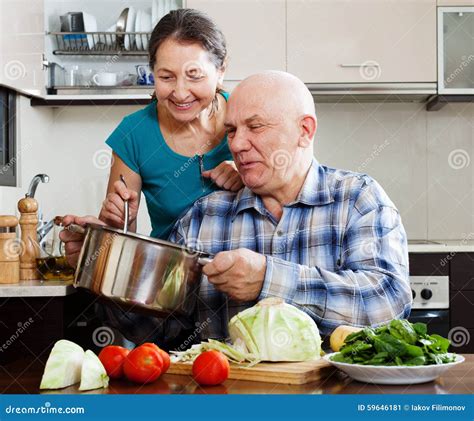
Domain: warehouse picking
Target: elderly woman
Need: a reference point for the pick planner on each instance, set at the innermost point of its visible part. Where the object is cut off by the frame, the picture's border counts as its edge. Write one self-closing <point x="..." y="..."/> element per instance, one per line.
<point x="175" y="149"/>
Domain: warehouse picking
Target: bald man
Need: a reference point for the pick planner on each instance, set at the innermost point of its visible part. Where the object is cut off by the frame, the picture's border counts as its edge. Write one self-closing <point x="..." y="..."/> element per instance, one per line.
<point x="327" y="241"/>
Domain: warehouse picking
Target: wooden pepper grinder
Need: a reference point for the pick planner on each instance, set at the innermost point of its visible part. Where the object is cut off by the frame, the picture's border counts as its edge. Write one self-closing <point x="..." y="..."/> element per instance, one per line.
<point x="28" y="208"/>
<point x="9" y="250"/>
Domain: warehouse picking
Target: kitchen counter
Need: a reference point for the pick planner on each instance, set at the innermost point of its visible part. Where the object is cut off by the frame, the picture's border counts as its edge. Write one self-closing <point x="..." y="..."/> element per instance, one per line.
<point x="37" y="288"/>
<point x="441" y="246"/>
<point x="24" y="377"/>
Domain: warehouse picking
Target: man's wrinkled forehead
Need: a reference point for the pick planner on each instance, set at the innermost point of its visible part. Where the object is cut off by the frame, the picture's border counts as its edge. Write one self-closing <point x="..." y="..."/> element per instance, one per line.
<point x="243" y="108"/>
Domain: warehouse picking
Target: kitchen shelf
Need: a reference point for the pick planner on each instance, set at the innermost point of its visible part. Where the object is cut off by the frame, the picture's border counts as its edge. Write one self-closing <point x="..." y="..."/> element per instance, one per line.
<point x="100" y="43"/>
<point x="76" y="100"/>
<point x="436" y="102"/>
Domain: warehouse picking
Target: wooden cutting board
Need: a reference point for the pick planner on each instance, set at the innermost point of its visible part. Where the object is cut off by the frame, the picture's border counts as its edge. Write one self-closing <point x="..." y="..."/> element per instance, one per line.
<point x="284" y="373"/>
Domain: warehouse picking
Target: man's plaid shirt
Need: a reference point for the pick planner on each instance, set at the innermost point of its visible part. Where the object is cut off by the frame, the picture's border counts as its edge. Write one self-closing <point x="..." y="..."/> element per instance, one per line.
<point x="339" y="253"/>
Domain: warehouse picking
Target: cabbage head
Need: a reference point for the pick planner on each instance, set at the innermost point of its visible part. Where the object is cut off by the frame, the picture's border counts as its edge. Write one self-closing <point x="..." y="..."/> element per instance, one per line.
<point x="275" y="331"/>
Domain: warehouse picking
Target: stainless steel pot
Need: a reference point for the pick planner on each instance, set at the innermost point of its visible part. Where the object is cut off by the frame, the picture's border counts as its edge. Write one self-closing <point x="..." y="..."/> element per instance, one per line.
<point x="139" y="273"/>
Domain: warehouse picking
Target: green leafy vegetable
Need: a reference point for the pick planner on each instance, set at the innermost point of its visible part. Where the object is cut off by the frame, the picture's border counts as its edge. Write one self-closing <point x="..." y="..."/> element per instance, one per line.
<point x="397" y="343"/>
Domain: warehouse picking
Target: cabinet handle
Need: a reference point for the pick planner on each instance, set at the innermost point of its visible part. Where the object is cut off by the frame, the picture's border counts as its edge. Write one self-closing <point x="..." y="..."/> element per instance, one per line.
<point x="361" y="65"/>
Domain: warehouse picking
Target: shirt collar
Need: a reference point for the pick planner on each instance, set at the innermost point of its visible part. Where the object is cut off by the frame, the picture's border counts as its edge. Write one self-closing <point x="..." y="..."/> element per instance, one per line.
<point x="315" y="192"/>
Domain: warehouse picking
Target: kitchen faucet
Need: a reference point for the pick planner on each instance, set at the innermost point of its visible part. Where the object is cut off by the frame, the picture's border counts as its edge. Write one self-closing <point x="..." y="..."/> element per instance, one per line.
<point x="43" y="226"/>
<point x="43" y="178"/>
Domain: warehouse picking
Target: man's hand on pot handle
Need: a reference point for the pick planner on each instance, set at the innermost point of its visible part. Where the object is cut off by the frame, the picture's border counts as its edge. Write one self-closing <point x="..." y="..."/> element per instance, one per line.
<point x="73" y="241"/>
<point x="237" y="273"/>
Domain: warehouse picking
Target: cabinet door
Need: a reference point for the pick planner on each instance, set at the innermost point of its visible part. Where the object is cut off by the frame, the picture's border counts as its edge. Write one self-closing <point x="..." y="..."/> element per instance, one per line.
<point x="350" y="41"/>
<point x="22" y="44"/>
<point x="254" y="30"/>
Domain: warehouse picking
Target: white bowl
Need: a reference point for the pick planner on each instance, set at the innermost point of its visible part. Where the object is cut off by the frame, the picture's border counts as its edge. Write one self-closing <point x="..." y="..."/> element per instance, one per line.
<point x="380" y="374"/>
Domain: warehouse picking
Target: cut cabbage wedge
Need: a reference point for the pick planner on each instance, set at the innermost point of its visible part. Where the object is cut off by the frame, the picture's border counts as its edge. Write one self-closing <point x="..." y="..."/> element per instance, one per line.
<point x="63" y="367"/>
<point x="93" y="374"/>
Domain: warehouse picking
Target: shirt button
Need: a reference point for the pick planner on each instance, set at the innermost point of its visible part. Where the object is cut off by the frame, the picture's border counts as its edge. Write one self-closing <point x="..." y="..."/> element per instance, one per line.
<point x="279" y="233"/>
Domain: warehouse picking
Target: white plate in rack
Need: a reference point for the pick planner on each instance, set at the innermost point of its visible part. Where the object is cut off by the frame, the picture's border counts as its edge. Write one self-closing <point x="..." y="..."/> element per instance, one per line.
<point x="90" y="25"/>
<point x="138" y="28"/>
<point x="146" y="26"/>
<point x="130" y="39"/>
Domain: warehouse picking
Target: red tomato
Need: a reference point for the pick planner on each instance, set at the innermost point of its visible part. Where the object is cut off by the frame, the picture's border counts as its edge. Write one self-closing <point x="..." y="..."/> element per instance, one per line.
<point x="143" y="365"/>
<point x="112" y="358"/>
<point x="164" y="355"/>
<point x="211" y="368"/>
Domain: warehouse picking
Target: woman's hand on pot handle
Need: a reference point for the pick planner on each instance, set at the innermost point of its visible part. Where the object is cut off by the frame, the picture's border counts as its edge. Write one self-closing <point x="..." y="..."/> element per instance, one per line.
<point x="226" y="176"/>
<point x="113" y="207"/>
<point x="73" y="241"/>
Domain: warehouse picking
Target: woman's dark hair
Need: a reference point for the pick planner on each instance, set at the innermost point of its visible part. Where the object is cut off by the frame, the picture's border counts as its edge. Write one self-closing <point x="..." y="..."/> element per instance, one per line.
<point x="190" y="26"/>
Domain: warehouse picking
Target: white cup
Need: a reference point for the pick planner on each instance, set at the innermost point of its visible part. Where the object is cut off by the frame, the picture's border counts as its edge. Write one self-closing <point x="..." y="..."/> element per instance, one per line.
<point x="105" y="79"/>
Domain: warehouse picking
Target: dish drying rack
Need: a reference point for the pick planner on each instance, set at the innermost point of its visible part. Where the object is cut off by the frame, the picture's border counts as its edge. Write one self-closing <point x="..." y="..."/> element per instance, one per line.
<point x="100" y="43"/>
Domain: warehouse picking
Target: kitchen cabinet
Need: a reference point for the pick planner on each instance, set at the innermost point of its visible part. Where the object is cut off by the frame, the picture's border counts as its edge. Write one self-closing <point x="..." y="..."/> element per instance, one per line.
<point x="455" y="50"/>
<point x="22" y="45"/>
<point x="455" y="2"/>
<point x="462" y="299"/>
<point x="255" y="32"/>
<point x="459" y="266"/>
<point x="360" y="41"/>
<point x="34" y="315"/>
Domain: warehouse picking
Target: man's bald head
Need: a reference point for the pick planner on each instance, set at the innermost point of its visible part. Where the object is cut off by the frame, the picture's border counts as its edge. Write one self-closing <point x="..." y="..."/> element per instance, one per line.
<point x="281" y="89"/>
<point x="271" y="122"/>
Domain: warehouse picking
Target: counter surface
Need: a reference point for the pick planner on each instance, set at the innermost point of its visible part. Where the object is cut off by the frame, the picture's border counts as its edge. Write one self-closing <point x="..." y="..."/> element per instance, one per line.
<point x="25" y="376"/>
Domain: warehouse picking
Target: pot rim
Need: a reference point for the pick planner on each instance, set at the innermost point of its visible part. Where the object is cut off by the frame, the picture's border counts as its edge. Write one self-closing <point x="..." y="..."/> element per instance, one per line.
<point x="191" y="252"/>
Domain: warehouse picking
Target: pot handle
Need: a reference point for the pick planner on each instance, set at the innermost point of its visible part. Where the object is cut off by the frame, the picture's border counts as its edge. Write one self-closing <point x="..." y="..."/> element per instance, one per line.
<point x="204" y="260"/>
<point x="75" y="228"/>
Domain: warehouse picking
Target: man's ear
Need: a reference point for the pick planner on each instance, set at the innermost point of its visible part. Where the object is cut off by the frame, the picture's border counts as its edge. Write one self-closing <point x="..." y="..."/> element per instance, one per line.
<point x="308" y="126"/>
